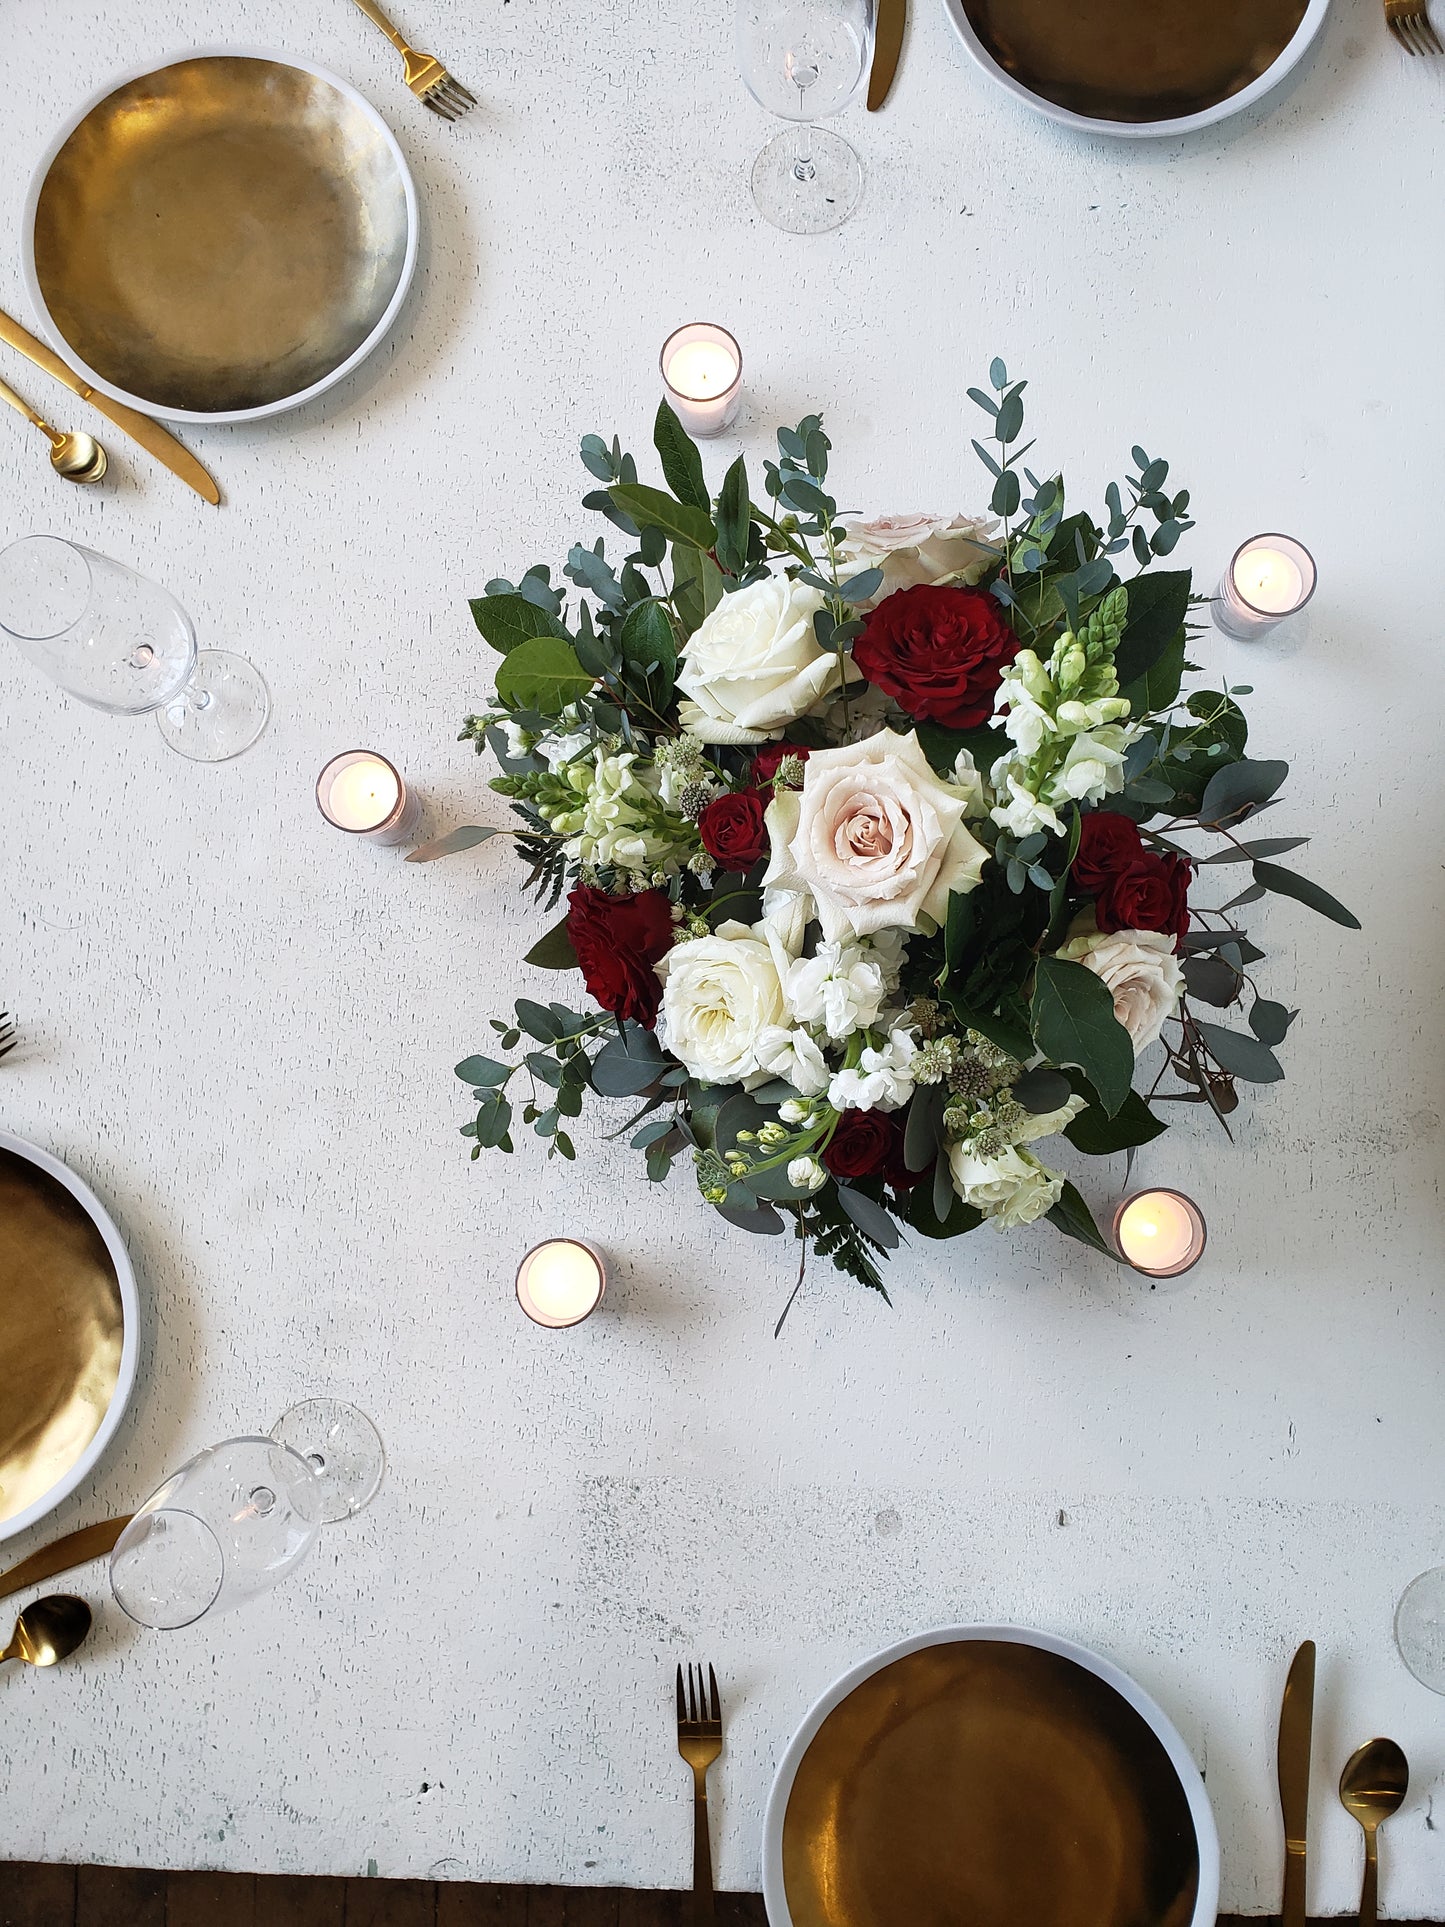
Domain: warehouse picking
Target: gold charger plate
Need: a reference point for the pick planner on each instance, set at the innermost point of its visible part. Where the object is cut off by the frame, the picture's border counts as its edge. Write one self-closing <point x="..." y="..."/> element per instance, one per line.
<point x="1141" y="66"/>
<point x="222" y="237"/>
<point x="68" y="1332"/>
<point x="997" y="1779"/>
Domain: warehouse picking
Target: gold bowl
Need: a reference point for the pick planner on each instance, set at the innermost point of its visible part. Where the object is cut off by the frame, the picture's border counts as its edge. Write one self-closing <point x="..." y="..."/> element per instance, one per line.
<point x="222" y="237"/>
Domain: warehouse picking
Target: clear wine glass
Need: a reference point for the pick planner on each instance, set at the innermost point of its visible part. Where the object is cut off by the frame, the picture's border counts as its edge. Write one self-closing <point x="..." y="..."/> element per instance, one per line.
<point x="1420" y="1628"/>
<point x="123" y="644"/>
<point x="804" y="60"/>
<point x="239" y="1516"/>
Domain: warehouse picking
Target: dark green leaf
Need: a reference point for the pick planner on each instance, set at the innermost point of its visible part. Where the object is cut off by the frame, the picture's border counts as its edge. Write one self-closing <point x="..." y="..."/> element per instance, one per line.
<point x="1240" y="1055"/>
<point x="1270" y="1021"/>
<point x="680" y="521"/>
<point x="1240" y="786"/>
<point x="944" y="1195"/>
<point x="871" y="1218"/>
<point x="697" y="586"/>
<point x="646" y="639"/>
<point x="1041" y="1091"/>
<point x="761" y="1218"/>
<point x="1211" y="979"/>
<point x="681" y="459"/>
<point x="543" y="674"/>
<point x="627" y="1066"/>
<point x="920" y="1213"/>
<point x="1287" y="883"/>
<point x="538" y="1021"/>
<point x="1158" y="688"/>
<point x="506" y="620"/>
<point x="465" y="838"/>
<point x="1247" y="852"/>
<point x="1158" y="604"/>
<point x="922" y="1127"/>
<point x="1074" y="1023"/>
<point x="734" y="518"/>
<point x="494" y="1120"/>
<point x="1074" y="1218"/>
<point x="554" y="951"/>
<point x="1096" y="1135"/>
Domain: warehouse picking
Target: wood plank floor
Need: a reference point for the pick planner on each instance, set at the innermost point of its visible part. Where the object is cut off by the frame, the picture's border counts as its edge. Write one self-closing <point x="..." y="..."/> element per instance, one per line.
<point x="45" y="1896"/>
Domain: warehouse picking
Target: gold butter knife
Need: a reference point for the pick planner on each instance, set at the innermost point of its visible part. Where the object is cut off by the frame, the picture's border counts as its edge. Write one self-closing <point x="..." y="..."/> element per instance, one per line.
<point x="1296" y="1729"/>
<point x="887" y="45"/>
<point x="75" y="1549"/>
<point x="149" y="435"/>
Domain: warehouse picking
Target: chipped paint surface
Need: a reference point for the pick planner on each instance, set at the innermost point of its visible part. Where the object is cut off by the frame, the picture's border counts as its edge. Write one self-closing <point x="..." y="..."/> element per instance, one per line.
<point x="240" y="1027"/>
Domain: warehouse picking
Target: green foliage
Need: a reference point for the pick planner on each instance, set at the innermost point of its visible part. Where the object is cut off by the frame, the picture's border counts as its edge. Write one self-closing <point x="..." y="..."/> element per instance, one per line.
<point x="1074" y="1023"/>
<point x="543" y="674"/>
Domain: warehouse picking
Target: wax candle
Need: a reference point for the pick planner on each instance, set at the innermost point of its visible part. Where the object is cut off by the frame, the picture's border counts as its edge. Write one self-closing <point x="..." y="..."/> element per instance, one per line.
<point x="1270" y="577"/>
<point x="561" y="1282"/>
<point x="702" y="370"/>
<point x="362" y="793"/>
<point x="1160" y="1233"/>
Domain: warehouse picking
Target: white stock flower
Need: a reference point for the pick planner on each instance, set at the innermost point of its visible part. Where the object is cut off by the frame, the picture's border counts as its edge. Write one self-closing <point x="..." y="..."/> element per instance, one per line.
<point x="555" y="751"/>
<point x="842" y="988"/>
<point x="754" y="665"/>
<point x="882" y="1081"/>
<point x="1141" y="973"/>
<point x="1047" y="1123"/>
<point x="518" y="742"/>
<point x="876" y="837"/>
<point x="720" y="994"/>
<point x="1011" y="1189"/>
<point x="915" y="549"/>
<point x="806" y="1173"/>
<point x="792" y="1054"/>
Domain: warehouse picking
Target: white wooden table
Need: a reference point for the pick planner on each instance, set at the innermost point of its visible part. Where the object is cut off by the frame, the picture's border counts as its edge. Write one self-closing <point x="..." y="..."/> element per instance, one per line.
<point x="241" y="1027"/>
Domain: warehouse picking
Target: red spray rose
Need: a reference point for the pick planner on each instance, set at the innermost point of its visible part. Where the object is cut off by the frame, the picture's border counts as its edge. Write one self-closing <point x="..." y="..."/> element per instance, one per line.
<point x="618" y="940"/>
<point x="765" y="763"/>
<point x="860" y="1145"/>
<point x="1134" y="887"/>
<point x="939" y="652"/>
<point x="731" y="828"/>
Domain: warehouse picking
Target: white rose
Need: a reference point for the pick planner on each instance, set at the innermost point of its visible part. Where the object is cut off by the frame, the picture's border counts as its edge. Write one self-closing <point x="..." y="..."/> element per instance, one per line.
<point x="842" y="988"/>
<point x="877" y="838"/>
<point x="882" y="1081"/>
<point x="916" y="549"/>
<point x="1047" y="1123"/>
<point x="1011" y="1189"/>
<point x="1141" y="973"/>
<point x="806" y="1174"/>
<point x="754" y="665"/>
<point x="792" y="1054"/>
<point x="720" y="995"/>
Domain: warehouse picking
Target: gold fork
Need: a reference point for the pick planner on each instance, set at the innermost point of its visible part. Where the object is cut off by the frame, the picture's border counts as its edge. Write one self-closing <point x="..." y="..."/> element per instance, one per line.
<point x="1410" y="24"/>
<point x="433" y="86"/>
<point x="699" y="1741"/>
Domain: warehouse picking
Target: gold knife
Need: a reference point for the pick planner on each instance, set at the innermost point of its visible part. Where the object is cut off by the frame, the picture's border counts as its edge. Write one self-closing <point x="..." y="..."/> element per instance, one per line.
<point x="1296" y="1728"/>
<point x="887" y="45"/>
<point x="154" y="439"/>
<point x="75" y="1549"/>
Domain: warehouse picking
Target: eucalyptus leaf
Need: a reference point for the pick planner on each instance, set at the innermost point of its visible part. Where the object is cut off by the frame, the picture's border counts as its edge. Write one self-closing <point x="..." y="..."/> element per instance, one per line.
<point x="1269" y="1021"/>
<point x="1240" y="1055"/>
<point x="943" y="1193"/>
<point x="759" y="1218"/>
<point x="482" y="1072"/>
<point x="870" y="1217"/>
<point x="680" y="521"/>
<point x="467" y="837"/>
<point x="1040" y="1091"/>
<point x="1249" y="852"/>
<point x="922" y="1128"/>
<point x="1287" y="883"/>
<point x="1238" y="787"/>
<point x="1211" y="980"/>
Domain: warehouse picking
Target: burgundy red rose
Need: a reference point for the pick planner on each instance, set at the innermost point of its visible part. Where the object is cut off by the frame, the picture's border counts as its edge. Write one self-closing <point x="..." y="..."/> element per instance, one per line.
<point x="1133" y="887"/>
<point x="618" y="941"/>
<point x="940" y="653"/>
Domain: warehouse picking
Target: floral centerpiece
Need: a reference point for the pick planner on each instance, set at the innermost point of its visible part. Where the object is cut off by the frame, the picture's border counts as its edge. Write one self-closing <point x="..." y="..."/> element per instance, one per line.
<point x="882" y="842"/>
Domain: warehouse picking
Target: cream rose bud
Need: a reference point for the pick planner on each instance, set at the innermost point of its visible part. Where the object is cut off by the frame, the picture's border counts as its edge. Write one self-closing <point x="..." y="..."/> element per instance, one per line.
<point x="754" y="665"/>
<point x="1141" y="973"/>
<point x="720" y="995"/>
<point x="915" y="549"/>
<point x="1011" y="1189"/>
<point x="806" y="1174"/>
<point x="878" y="840"/>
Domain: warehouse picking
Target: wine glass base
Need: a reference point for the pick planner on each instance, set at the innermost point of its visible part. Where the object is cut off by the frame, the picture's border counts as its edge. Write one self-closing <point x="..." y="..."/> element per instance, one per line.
<point x="1420" y="1628"/>
<point x="220" y="712"/>
<point x="343" y="1449"/>
<point x="807" y="196"/>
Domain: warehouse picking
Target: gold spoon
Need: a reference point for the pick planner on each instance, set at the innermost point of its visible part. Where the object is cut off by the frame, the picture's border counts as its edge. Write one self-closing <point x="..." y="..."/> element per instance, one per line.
<point x="1372" y="1787"/>
<point x="79" y="458"/>
<point x="49" y="1629"/>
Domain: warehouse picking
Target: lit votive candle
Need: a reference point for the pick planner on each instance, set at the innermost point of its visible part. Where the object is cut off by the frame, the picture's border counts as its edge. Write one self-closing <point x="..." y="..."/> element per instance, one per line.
<point x="1270" y="577"/>
<point x="1160" y="1233"/>
<point x="362" y="793"/>
<point x="560" y="1282"/>
<point x="702" y="370"/>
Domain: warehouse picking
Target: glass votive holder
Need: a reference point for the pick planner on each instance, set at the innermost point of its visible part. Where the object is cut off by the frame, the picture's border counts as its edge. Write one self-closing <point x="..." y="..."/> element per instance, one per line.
<point x="1269" y="577"/>
<point x="362" y="793"/>
<point x="560" y="1282"/>
<point x="702" y="371"/>
<point x="1160" y="1233"/>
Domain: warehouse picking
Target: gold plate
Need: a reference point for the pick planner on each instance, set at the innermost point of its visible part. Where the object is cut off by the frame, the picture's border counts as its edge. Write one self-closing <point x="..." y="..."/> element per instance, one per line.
<point x="1135" y="60"/>
<point x="224" y="236"/>
<point x="63" y="1351"/>
<point x="980" y="1782"/>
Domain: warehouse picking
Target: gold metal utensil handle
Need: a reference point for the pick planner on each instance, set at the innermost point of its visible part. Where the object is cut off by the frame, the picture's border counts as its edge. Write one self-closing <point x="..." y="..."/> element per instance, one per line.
<point x="378" y="19"/>
<point x="21" y="406"/>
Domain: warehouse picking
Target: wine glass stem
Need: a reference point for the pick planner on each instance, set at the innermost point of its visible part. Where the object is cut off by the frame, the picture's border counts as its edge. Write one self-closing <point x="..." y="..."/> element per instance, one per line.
<point x="803" y="169"/>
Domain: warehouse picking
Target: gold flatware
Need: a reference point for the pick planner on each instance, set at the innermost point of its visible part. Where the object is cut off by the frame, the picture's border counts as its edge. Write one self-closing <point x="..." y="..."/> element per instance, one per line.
<point x="49" y="1630"/>
<point x="699" y="1741"/>
<point x="433" y="86"/>
<point x="7" y="1033"/>
<point x="149" y="435"/>
<point x="79" y="458"/>
<point x="887" y="45"/>
<point x="1410" y="24"/>
<point x="75" y="1549"/>
<point x="1372" y="1787"/>
<point x="1296" y="1731"/>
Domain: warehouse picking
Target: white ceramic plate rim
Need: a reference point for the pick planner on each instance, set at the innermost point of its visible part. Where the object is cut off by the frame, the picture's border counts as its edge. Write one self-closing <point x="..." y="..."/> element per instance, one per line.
<point x="302" y="395"/>
<point x="1200" y="1812"/>
<point x="1292" y="51"/>
<point x="130" y="1343"/>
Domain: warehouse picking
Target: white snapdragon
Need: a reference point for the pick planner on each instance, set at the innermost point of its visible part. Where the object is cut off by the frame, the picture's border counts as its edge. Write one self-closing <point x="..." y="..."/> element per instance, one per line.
<point x="882" y="1079"/>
